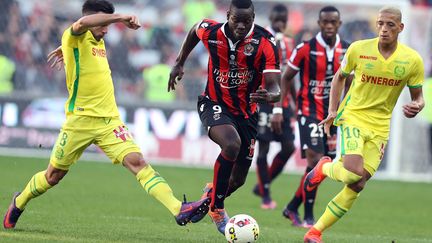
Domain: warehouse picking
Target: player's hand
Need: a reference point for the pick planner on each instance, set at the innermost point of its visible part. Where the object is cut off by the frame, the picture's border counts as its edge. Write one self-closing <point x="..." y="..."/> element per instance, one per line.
<point x="411" y="109"/>
<point x="260" y="96"/>
<point x="276" y="123"/>
<point x="175" y="76"/>
<point x="131" y="21"/>
<point x="55" y="58"/>
<point x="328" y="122"/>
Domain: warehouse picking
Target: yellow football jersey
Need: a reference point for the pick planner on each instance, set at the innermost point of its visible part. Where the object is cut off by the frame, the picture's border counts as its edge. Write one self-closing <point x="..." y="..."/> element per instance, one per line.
<point x="377" y="84"/>
<point x="88" y="76"/>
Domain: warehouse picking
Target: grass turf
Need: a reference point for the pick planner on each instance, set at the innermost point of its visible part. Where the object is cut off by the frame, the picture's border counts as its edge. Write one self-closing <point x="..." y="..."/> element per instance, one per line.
<point x="99" y="202"/>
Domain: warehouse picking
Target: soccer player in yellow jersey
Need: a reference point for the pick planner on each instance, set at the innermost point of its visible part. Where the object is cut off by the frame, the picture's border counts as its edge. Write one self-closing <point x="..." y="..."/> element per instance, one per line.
<point x="92" y="117"/>
<point x="382" y="68"/>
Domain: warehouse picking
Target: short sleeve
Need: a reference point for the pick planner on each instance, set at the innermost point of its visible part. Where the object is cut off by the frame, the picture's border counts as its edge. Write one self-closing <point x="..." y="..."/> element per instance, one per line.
<point x="297" y="55"/>
<point x="69" y="39"/>
<point x="348" y="62"/>
<point x="417" y="77"/>
<point x="203" y="28"/>
<point x="271" y="55"/>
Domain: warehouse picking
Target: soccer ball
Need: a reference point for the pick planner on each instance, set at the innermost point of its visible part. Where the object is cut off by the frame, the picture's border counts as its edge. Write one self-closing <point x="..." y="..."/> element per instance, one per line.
<point x="241" y="228"/>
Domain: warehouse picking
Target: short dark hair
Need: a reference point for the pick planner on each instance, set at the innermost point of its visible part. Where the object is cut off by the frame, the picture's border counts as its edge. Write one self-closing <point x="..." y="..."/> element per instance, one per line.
<point x="98" y="6"/>
<point x="244" y="4"/>
<point x="279" y="8"/>
<point x="327" y="9"/>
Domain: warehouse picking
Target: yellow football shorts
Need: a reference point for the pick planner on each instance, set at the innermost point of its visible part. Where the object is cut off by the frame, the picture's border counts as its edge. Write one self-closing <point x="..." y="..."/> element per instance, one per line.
<point x="78" y="132"/>
<point x="364" y="142"/>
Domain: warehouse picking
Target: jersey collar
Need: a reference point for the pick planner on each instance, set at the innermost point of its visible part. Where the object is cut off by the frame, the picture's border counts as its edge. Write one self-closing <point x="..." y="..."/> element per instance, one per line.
<point x="231" y="43"/>
<point x="329" y="50"/>
<point x="321" y="41"/>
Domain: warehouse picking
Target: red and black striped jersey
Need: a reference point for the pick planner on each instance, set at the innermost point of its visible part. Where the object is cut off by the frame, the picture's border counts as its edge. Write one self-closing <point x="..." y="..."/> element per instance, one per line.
<point x="317" y="63"/>
<point x="236" y="69"/>
<point x="285" y="46"/>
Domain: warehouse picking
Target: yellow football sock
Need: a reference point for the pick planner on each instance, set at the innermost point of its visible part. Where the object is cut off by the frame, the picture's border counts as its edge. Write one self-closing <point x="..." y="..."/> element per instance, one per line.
<point x="158" y="188"/>
<point x="336" y="208"/>
<point x="37" y="185"/>
<point x="337" y="172"/>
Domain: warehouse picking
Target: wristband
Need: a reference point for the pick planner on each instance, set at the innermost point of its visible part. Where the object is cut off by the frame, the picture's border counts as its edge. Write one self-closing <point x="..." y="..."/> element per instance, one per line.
<point x="277" y="110"/>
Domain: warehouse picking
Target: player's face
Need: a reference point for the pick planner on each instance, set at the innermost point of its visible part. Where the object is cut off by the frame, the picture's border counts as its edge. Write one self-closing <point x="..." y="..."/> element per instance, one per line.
<point x="279" y="21"/>
<point x="240" y="21"/>
<point x="329" y="23"/>
<point x="99" y="32"/>
<point x="389" y="27"/>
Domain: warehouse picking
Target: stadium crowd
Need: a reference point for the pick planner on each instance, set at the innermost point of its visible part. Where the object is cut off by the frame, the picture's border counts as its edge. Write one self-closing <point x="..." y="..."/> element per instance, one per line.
<point x="139" y="60"/>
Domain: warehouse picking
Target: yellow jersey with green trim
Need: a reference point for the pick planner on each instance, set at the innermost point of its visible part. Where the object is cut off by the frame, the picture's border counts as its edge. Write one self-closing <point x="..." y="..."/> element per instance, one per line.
<point x="377" y="84"/>
<point x="88" y="76"/>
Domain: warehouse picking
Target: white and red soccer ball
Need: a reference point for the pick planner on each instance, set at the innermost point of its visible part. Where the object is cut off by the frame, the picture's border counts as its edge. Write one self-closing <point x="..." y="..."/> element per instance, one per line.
<point x="241" y="228"/>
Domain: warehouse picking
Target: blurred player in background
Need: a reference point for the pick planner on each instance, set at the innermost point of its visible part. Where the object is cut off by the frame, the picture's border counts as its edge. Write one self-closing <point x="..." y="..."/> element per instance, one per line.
<point x="270" y="129"/>
<point x="317" y="60"/>
<point x="92" y="117"/>
<point x="242" y="54"/>
<point x="382" y="68"/>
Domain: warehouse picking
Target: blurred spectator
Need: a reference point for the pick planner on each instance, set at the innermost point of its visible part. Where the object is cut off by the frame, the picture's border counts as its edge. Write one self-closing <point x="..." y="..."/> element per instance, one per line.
<point x="304" y="35"/>
<point x="194" y="79"/>
<point x="160" y="36"/>
<point x="29" y="29"/>
<point x="125" y="75"/>
<point x="357" y="30"/>
<point x="424" y="3"/>
<point x="156" y="84"/>
<point x="10" y="26"/>
<point x="7" y="70"/>
<point x="196" y="10"/>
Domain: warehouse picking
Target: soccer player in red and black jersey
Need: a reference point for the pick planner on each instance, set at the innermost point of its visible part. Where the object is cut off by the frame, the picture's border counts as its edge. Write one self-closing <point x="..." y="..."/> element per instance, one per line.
<point x="243" y="55"/>
<point x="270" y="129"/>
<point x="317" y="60"/>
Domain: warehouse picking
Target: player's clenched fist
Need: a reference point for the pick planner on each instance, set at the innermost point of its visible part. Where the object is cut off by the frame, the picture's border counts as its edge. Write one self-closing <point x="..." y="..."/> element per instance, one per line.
<point x="411" y="109"/>
<point x="131" y="21"/>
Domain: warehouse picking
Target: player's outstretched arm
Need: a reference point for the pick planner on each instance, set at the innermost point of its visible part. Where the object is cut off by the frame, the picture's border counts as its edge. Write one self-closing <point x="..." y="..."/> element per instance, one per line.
<point x="337" y="85"/>
<point x="93" y="20"/>
<point x="188" y="45"/>
<point x="417" y="103"/>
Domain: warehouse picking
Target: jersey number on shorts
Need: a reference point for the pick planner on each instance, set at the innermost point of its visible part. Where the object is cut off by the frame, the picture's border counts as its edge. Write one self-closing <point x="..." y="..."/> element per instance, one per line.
<point x="217" y="109"/>
<point x="355" y="132"/>
<point x="316" y="131"/>
<point x="264" y="119"/>
<point x="63" y="140"/>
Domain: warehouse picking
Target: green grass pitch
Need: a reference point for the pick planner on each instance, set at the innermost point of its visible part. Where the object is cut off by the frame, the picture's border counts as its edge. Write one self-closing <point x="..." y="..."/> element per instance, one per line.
<point x="100" y="202"/>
